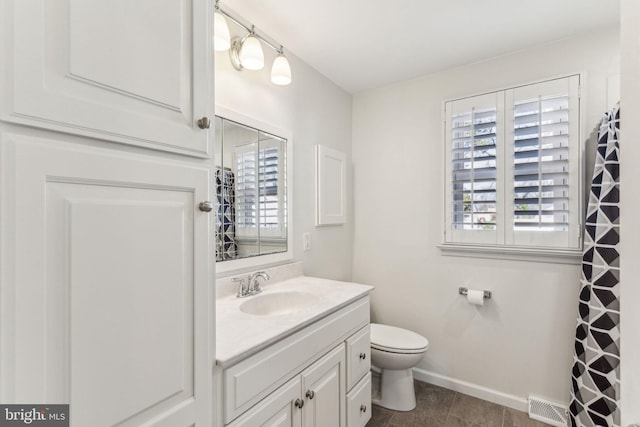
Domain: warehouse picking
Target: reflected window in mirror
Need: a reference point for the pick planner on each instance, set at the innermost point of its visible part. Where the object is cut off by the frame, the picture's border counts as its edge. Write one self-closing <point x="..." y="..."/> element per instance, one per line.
<point x="251" y="192"/>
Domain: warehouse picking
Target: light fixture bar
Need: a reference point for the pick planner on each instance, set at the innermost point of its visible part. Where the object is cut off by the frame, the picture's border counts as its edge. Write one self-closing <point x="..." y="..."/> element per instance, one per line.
<point x="251" y="29"/>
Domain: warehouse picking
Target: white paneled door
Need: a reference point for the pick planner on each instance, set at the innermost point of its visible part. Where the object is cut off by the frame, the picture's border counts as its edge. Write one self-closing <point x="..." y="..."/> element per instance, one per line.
<point x="106" y="294"/>
<point x="136" y="72"/>
<point x="323" y="388"/>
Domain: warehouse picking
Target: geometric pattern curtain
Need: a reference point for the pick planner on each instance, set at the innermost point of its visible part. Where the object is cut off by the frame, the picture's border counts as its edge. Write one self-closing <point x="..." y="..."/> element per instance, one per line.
<point x="595" y="373"/>
<point x="226" y="245"/>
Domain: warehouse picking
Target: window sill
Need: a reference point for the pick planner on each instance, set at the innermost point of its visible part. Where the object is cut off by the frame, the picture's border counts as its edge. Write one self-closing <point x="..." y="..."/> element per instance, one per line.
<point x="556" y="256"/>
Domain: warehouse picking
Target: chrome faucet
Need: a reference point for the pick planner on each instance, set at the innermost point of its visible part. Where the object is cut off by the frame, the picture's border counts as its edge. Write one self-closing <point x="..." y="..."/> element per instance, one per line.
<point x="251" y="286"/>
<point x="254" y="285"/>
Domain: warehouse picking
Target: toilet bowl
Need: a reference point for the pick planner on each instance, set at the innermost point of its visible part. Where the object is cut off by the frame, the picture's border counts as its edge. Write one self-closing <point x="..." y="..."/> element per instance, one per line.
<point x="394" y="351"/>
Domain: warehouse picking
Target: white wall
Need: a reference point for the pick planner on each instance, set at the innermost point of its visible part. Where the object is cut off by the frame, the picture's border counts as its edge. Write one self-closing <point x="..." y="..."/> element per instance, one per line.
<point x="316" y="111"/>
<point x="629" y="206"/>
<point x="521" y="341"/>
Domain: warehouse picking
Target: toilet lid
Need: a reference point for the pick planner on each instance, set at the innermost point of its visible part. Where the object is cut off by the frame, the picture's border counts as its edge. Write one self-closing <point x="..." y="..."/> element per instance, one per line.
<point x="397" y="340"/>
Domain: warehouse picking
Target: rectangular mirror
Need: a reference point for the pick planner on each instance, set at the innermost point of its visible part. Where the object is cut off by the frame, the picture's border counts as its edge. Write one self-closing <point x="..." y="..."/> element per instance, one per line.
<point x="251" y="189"/>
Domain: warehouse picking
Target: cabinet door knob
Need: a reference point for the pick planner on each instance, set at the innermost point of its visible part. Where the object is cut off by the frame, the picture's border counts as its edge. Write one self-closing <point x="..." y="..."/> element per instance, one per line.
<point x="363" y="408"/>
<point x="206" y="206"/>
<point x="204" y="123"/>
<point x="363" y="356"/>
<point x="310" y="394"/>
<point x="299" y="403"/>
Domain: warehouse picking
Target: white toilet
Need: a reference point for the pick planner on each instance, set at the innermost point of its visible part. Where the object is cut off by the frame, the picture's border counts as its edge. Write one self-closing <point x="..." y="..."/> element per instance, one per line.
<point x="394" y="351"/>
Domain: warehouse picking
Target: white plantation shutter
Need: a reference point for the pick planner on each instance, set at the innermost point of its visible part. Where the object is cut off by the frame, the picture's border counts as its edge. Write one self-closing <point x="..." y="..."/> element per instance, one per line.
<point x="259" y="209"/>
<point x="512" y="167"/>
<point x="541" y="163"/>
<point x="272" y="194"/>
<point x="474" y="170"/>
<point x="246" y="184"/>
<point x="268" y="179"/>
<point x="473" y="151"/>
<point x="544" y="175"/>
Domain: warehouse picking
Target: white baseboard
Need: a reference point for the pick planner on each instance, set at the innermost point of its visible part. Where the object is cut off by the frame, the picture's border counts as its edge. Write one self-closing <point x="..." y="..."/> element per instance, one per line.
<point x="484" y="393"/>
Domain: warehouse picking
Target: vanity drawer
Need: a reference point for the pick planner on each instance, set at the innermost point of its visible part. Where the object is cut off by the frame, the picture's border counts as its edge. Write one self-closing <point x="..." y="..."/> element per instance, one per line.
<point x="255" y="377"/>
<point x="359" y="403"/>
<point x="358" y="356"/>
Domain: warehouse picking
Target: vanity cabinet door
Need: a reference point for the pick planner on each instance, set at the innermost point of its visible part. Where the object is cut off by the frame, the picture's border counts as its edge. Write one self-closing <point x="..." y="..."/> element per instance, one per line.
<point x="323" y="387"/>
<point x="106" y="299"/>
<point x="359" y="403"/>
<point x="281" y="409"/>
<point x="135" y="72"/>
<point x="358" y="356"/>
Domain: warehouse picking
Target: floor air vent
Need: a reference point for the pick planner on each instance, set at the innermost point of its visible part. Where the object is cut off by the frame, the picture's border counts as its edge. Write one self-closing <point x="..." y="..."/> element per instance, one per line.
<point x="548" y="412"/>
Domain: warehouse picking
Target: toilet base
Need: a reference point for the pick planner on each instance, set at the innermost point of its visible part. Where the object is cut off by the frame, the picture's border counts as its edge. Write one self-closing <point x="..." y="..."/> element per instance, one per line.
<point x="396" y="390"/>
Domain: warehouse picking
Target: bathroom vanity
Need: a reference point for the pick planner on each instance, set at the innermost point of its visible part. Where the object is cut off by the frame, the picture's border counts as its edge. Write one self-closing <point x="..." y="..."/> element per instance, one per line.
<point x="297" y="354"/>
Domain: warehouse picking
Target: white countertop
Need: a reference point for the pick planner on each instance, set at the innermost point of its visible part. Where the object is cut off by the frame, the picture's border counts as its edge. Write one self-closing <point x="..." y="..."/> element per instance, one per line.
<point x="239" y="335"/>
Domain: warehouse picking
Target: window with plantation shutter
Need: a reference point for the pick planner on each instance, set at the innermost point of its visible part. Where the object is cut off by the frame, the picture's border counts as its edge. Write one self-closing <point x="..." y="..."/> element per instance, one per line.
<point x="474" y="169"/>
<point x="541" y="163"/>
<point x="513" y="168"/>
<point x="473" y="153"/>
<point x="259" y="209"/>
<point x="270" y="210"/>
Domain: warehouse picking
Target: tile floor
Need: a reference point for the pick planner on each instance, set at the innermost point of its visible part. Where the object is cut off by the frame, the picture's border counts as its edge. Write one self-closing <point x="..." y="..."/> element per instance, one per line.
<point x="440" y="407"/>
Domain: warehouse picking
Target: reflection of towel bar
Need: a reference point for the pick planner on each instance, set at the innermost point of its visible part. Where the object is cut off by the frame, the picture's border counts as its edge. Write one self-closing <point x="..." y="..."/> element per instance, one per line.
<point x="465" y="291"/>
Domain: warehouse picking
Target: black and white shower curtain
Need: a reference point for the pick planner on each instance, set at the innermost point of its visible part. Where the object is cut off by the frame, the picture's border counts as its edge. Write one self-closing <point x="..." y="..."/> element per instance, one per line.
<point x="595" y="374"/>
<point x="226" y="245"/>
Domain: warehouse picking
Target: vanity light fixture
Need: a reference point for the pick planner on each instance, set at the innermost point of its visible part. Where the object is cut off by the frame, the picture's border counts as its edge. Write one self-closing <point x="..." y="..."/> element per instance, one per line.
<point x="281" y="71"/>
<point x="221" y="37"/>
<point x="246" y="53"/>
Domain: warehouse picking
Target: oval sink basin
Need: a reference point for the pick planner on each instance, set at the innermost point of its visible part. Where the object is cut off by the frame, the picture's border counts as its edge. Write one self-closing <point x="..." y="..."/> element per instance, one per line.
<point x="278" y="303"/>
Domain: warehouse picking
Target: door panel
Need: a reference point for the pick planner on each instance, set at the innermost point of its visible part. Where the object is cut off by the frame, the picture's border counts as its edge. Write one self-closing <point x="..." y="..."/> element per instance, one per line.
<point x="130" y="305"/>
<point x="113" y="311"/>
<point x="323" y="385"/>
<point x="132" y="72"/>
<point x="156" y="50"/>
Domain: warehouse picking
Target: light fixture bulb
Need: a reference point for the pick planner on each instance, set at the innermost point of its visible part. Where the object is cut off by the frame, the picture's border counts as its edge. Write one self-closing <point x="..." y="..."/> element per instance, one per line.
<point x="281" y="71"/>
<point x="251" y="55"/>
<point x="221" y="36"/>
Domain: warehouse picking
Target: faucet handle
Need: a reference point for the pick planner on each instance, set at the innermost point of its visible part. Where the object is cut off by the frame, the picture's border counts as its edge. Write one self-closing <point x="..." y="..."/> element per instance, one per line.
<point x="242" y="289"/>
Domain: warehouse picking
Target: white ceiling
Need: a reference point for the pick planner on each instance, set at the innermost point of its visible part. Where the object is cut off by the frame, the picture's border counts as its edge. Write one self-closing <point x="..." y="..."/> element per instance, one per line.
<point x="363" y="44"/>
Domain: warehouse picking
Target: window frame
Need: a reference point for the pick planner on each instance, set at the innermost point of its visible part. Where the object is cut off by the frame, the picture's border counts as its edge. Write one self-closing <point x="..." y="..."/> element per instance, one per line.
<point x="504" y="244"/>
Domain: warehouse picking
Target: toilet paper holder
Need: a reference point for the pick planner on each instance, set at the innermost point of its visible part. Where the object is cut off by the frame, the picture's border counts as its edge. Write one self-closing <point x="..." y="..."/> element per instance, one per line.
<point x="464" y="291"/>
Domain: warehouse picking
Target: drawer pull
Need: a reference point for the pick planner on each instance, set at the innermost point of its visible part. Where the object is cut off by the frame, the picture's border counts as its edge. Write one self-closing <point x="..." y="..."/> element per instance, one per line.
<point x="299" y="403"/>
<point x="310" y="394"/>
<point x="363" y="408"/>
<point x="363" y="356"/>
